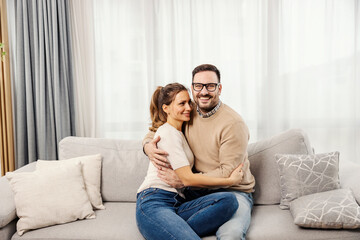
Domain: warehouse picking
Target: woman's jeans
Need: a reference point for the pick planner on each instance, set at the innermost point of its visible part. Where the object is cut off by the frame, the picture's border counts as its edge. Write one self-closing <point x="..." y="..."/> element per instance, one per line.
<point x="164" y="215"/>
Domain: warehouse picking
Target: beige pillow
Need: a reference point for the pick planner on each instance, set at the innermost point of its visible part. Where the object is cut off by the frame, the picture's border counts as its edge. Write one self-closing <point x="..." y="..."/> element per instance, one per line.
<point x="53" y="196"/>
<point x="91" y="169"/>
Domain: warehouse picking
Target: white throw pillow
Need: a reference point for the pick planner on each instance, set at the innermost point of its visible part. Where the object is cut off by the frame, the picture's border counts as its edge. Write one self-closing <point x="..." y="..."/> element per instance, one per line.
<point x="53" y="196"/>
<point x="91" y="169"/>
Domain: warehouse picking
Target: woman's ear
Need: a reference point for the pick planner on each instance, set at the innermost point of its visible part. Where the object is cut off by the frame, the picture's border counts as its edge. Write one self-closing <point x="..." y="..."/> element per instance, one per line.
<point x="165" y="108"/>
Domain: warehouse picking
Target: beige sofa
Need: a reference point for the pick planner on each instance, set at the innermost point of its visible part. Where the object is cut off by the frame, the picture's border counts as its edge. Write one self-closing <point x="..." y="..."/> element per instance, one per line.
<point x="123" y="170"/>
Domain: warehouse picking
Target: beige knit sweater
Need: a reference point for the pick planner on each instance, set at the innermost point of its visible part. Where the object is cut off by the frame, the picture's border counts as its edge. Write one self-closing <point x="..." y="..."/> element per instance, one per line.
<point x="219" y="144"/>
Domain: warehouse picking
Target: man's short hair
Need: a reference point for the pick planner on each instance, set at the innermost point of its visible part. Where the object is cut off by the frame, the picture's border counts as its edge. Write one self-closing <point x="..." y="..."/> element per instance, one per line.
<point x="206" y="67"/>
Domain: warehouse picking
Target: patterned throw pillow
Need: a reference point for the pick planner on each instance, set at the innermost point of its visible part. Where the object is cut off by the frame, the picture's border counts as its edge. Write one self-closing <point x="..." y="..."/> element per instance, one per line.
<point x="306" y="174"/>
<point x="332" y="209"/>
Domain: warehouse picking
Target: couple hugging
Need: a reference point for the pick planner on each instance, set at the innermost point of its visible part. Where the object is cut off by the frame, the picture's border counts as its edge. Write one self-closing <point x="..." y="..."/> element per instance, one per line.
<point x="198" y="181"/>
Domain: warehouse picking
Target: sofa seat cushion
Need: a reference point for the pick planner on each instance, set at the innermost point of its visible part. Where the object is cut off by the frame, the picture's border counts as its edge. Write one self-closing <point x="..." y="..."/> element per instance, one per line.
<point x="269" y="222"/>
<point x="117" y="221"/>
<point x="7" y="231"/>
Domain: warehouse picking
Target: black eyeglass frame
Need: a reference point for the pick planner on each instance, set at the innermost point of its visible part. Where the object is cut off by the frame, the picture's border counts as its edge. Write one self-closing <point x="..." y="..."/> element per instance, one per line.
<point x="206" y="86"/>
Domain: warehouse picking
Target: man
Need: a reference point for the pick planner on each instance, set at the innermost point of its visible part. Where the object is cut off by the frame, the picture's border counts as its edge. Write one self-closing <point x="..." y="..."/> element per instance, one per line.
<point x="218" y="137"/>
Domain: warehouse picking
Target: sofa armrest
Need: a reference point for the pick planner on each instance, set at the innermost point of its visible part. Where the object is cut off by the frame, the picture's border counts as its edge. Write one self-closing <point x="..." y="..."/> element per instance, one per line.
<point x="349" y="174"/>
<point x="7" y="203"/>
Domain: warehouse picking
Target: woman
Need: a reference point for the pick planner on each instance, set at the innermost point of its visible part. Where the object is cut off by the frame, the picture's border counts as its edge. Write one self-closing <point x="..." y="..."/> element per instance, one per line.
<point x="161" y="212"/>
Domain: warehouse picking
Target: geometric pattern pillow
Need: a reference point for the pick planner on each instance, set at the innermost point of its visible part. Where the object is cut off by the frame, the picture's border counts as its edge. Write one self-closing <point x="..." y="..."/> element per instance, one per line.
<point x="306" y="174"/>
<point x="332" y="209"/>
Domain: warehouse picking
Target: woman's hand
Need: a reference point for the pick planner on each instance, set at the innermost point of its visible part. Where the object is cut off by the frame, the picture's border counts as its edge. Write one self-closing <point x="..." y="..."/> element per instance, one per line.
<point x="237" y="175"/>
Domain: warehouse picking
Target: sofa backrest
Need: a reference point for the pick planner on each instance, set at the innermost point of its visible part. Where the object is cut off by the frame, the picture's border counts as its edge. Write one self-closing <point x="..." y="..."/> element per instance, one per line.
<point x="125" y="165"/>
<point x="263" y="163"/>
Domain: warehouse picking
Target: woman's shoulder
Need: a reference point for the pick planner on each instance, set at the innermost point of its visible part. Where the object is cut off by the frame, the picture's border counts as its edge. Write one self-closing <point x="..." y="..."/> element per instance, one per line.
<point x="169" y="137"/>
<point x="167" y="130"/>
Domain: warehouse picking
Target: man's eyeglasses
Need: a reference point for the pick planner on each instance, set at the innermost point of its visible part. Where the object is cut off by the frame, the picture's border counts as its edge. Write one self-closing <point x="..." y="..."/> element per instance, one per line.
<point x="211" y="87"/>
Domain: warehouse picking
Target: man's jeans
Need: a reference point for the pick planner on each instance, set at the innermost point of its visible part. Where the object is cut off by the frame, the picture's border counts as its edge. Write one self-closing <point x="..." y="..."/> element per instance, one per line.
<point x="164" y="215"/>
<point x="237" y="226"/>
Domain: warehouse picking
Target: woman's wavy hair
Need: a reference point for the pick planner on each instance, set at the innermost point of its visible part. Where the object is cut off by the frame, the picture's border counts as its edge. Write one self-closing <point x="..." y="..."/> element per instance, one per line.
<point x="163" y="95"/>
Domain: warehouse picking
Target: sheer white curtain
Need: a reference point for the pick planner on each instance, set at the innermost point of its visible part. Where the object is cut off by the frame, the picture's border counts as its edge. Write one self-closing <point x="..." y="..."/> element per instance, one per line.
<point x="319" y="71"/>
<point x="82" y="33"/>
<point x="143" y="44"/>
<point x="284" y="64"/>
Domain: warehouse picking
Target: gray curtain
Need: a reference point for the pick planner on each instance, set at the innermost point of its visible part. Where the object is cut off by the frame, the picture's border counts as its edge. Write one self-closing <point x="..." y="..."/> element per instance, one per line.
<point x="42" y="78"/>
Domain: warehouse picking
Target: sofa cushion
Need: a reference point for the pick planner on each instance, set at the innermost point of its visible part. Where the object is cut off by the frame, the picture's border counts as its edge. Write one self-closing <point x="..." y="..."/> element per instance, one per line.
<point x="306" y="174"/>
<point x="91" y="170"/>
<point x="269" y="222"/>
<point x="332" y="209"/>
<point x="350" y="180"/>
<point x="7" y="231"/>
<point x="123" y="168"/>
<point x="44" y="198"/>
<point x="7" y="209"/>
<point x="7" y="203"/>
<point x="117" y="221"/>
<point x="263" y="163"/>
<point x="116" y="164"/>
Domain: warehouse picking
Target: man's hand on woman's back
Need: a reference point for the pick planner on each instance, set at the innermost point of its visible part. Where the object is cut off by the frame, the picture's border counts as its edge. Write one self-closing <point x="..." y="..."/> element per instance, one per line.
<point x="155" y="155"/>
<point x="159" y="160"/>
<point x="169" y="176"/>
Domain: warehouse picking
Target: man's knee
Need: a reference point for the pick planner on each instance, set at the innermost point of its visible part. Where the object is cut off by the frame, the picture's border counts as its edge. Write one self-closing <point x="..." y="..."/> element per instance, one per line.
<point x="237" y="226"/>
<point x="227" y="202"/>
<point x="230" y="200"/>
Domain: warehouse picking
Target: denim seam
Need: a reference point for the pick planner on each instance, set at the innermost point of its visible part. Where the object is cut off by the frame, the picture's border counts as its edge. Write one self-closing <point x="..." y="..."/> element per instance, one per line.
<point x="176" y="201"/>
<point x="209" y="200"/>
<point x="189" y="219"/>
<point x="142" y="197"/>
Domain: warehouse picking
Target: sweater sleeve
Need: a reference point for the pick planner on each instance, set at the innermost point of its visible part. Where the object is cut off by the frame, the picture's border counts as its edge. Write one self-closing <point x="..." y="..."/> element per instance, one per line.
<point x="233" y="149"/>
<point x="148" y="137"/>
<point x="172" y="143"/>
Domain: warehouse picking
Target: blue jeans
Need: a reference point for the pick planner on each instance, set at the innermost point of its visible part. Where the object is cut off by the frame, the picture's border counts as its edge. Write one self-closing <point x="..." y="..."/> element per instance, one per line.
<point x="164" y="215"/>
<point x="237" y="226"/>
